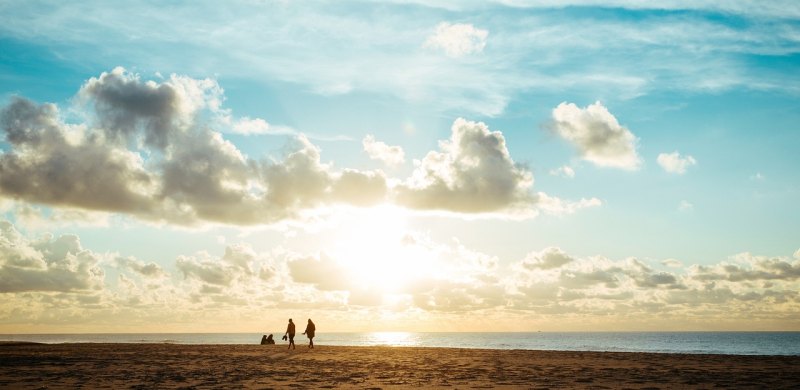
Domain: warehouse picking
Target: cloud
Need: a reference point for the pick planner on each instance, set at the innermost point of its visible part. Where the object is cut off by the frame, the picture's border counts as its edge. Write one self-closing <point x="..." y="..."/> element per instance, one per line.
<point x="674" y="163"/>
<point x="148" y="270"/>
<point x="596" y="135"/>
<point x="391" y="155"/>
<point x="457" y="40"/>
<point x="546" y="259"/>
<point x="53" y="163"/>
<point x="360" y="188"/>
<point x="672" y="263"/>
<point x="321" y="271"/>
<point x="148" y="151"/>
<point x="563" y="171"/>
<point x="46" y="265"/>
<point x="127" y="107"/>
<point x="752" y="268"/>
<point x="251" y="126"/>
<point x="32" y="217"/>
<point x="685" y="205"/>
<point x="473" y="172"/>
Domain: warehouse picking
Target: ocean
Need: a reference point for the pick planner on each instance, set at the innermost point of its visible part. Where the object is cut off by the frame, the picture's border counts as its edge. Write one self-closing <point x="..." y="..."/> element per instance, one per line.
<point x="729" y="343"/>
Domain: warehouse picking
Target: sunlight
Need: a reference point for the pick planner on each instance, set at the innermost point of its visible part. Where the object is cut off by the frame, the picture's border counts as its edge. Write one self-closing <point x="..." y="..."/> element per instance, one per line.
<point x="374" y="249"/>
<point x="392" y="339"/>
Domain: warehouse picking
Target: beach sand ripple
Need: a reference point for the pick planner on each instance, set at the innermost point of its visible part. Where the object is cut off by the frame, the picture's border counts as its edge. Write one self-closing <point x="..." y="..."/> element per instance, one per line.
<point x="172" y="366"/>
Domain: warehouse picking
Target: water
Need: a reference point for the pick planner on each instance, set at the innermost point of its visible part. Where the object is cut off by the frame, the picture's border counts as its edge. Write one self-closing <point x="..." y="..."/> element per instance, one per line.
<point x="731" y="343"/>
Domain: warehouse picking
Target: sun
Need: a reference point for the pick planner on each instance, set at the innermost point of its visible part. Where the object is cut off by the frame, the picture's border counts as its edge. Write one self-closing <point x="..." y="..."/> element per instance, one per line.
<point x="374" y="248"/>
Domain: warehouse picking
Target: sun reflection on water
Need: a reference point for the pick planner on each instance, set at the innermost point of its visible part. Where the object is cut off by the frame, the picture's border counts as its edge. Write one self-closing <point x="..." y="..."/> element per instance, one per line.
<point x="392" y="339"/>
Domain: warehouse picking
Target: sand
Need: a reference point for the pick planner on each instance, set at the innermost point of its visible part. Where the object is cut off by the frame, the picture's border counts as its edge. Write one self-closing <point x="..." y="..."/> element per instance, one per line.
<point x="147" y="366"/>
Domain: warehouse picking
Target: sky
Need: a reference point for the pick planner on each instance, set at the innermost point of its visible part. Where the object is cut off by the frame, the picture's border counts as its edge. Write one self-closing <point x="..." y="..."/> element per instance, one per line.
<point x="401" y="165"/>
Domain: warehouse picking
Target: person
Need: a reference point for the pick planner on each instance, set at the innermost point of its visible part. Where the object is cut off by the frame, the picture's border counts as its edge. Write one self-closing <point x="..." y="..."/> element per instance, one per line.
<point x="310" y="330"/>
<point x="267" y="340"/>
<point x="290" y="333"/>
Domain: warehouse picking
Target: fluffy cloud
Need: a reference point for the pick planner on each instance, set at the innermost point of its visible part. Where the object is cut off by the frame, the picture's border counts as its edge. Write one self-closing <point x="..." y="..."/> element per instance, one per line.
<point x="147" y="270"/>
<point x="251" y="126"/>
<point x="675" y="163"/>
<point x="597" y="135"/>
<point x="750" y="268"/>
<point x="48" y="264"/>
<point x="321" y="271"/>
<point x="473" y="173"/>
<point x="564" y="171"/>
<point x="458" y="39"/>
<point x="50" y="162"/>
<point x="147" y="151"/>
<point x="391" y="155"/>
<point x="547" y="259"/>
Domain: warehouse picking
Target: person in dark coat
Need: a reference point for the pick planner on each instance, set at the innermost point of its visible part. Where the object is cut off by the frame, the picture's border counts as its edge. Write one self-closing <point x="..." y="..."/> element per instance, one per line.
<point x="267" y="340"/>
<point x="290" y="333"/>
<point x="310" y="330"/>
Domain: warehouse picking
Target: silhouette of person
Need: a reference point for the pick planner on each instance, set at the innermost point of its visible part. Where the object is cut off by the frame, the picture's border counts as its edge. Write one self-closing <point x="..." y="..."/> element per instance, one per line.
<point x="290" y="333"/>
<point x="310" y="330"/>
<point x="270" y="340"/>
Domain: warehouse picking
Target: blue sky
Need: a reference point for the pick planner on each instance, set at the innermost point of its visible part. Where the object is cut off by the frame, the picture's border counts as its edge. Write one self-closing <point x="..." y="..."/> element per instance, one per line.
<point x="632" y="159"/>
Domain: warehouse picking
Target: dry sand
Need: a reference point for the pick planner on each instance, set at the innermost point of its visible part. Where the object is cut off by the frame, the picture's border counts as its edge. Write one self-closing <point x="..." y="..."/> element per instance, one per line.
<point x="147" y="366"/>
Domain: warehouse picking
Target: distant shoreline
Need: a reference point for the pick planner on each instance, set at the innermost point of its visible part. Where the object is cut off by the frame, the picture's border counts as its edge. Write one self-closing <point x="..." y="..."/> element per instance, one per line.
<point x="724" y="343"/>
<point x="4" y="343"/>
<point x="255" y="366"/>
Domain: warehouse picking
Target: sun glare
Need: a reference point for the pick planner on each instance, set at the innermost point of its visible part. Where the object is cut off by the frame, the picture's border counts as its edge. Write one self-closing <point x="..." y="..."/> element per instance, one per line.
<point x="374" y="248"/>
<point x="392" y="339"/>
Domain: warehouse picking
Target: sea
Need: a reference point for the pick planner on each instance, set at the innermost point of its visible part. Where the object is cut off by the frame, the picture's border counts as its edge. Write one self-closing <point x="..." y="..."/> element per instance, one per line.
<point x="727" y="343"/>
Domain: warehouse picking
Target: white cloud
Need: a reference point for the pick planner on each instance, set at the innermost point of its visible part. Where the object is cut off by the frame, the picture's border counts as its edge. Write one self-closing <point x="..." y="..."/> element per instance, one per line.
<point x="672" y="263"/>
<point x="458" y="39"/>
<point x="596" y="135"/>
<point x="473" y="172"/>
<point x="391" y="155"/>
<point x="675" y="163"/>
<point x="47" y="264"/>
<point x="747" y="267"/>
<point x="251" y="126"/>
<point x="546" y="259"/>
<point x="148" y="270"/>
<point x="563" y="171"/>
<point x="684" y="205"/>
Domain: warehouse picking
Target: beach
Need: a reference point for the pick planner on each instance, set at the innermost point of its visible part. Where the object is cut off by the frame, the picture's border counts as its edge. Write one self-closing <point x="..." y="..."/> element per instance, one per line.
<point x="174" y="366"/>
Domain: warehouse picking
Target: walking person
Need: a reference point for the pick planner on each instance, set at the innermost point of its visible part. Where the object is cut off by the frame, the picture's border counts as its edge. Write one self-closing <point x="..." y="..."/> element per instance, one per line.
<point x="290" y="333"/>
<point x="310" y="330"/>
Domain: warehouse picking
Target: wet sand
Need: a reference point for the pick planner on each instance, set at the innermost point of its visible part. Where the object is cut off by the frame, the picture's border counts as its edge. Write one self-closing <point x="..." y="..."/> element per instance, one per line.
<point x="172" y="366"/>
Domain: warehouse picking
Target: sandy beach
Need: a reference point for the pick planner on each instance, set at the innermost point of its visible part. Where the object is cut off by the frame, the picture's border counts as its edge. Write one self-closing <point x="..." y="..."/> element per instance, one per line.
<point x="146" y="366"/>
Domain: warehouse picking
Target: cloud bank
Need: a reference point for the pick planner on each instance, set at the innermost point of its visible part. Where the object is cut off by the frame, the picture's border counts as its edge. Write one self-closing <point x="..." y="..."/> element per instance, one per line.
<point x="59" y="277"/>
<point x="148" y="149"/>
